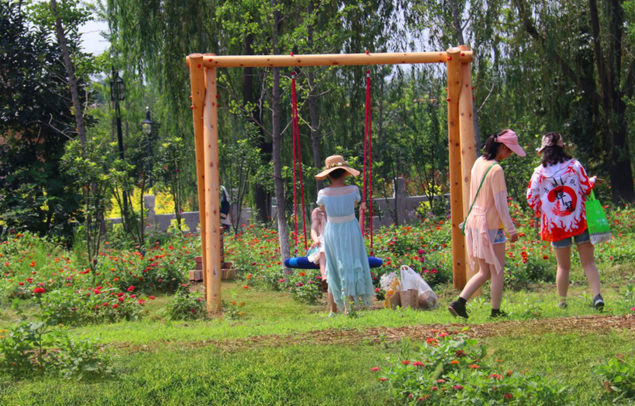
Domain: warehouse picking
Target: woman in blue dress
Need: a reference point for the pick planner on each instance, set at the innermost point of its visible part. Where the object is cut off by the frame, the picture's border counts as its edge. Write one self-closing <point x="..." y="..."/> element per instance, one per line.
<point x="347" y="269"/>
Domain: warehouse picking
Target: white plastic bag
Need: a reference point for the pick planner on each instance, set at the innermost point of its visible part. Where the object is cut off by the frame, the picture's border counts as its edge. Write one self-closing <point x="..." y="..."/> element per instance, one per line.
<point x="386" y="280"/>
<point x="411" y="280"/>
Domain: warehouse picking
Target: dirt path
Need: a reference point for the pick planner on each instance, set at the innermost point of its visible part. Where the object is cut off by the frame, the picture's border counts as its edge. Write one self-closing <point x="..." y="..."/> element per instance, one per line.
<point x="377" y="335"/>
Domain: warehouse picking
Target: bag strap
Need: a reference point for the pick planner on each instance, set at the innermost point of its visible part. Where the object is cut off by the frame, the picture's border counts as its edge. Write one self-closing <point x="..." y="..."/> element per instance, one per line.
<point x="477" y="192"/>
<point x="591" y="196"/>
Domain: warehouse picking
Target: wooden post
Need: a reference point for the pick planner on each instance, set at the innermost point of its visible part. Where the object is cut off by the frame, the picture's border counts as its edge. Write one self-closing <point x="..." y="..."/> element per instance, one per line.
<point x="468" y="153"/>
<point x="197" y="80"/>
<point x="456" y="188"/>
<point x="212" y="194"/>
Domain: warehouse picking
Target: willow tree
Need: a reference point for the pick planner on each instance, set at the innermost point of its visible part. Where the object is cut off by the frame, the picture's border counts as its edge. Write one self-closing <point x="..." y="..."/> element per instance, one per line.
<point x="604" y="78"/>
<point x="148" y="41"/>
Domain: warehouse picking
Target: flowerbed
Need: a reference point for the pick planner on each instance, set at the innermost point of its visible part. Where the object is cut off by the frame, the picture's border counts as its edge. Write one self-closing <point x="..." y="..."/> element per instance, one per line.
<point x="425" y="247"/>
<point x="117" y="288"/>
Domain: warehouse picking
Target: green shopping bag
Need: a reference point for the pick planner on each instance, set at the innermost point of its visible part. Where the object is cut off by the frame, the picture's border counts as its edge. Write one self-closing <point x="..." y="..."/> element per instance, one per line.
<point x="597" y="223"/>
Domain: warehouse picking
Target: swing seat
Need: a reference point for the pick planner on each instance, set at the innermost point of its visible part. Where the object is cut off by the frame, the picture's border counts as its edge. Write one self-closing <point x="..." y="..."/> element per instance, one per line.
<point x="304" y="263"/>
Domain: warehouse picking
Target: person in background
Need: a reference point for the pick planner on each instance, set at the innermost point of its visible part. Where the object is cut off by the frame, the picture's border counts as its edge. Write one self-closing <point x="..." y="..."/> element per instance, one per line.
<point x="225" y="210"/>
<point x="316" y="252"/>
<point x="484" y="234"/>
<point x="557" y="193"/>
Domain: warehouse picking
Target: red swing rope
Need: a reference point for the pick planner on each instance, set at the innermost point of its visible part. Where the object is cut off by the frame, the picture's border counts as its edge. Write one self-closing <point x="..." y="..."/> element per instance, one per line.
<point x="368" y="160"/>
<point x="297" y="165"/>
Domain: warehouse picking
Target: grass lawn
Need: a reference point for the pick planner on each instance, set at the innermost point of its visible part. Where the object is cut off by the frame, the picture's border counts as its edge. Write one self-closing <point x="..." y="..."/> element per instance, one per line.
<point x="285" y="353"/>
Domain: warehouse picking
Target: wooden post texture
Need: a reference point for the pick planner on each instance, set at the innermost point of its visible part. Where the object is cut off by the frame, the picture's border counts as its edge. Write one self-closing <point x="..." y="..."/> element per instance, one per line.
<point x="212" y="194"/>
<point x="468" y="152"/>
<point x="197" y="81"/>
<point x="456" y="188"/>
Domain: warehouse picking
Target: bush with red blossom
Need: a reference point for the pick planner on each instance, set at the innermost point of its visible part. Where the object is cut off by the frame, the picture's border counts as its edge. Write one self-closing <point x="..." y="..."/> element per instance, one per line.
<point x="451" y="369"/>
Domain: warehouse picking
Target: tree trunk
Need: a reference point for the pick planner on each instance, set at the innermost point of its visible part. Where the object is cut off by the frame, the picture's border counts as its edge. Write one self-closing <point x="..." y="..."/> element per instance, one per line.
<point x="615" y="126"/>
<point x="456" y="22"/>
<point x="313" y="109"/>
<point x="70" y="72"/>
<point x="283" y="232"/>
<point x="621" y="170"/>
<point x="315" y="136"/>
<point x="261" y="195"/>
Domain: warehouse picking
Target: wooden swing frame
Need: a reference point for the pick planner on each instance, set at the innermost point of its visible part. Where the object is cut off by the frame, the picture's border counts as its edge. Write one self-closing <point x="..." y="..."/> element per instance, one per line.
<point x="204" y="96"/>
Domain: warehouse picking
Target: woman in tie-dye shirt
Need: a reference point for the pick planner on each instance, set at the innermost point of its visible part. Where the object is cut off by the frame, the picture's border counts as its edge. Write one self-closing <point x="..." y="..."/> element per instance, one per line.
<point x="557" y="193"/>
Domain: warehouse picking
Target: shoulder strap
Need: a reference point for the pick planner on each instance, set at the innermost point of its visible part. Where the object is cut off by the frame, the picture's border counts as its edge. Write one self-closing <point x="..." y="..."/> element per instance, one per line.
<point x="475" y="196"/>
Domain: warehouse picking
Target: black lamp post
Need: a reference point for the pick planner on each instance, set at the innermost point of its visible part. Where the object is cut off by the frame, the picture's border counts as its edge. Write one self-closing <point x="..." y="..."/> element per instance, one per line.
<point x="117" y="94"/>
<point x="146" y="126"/>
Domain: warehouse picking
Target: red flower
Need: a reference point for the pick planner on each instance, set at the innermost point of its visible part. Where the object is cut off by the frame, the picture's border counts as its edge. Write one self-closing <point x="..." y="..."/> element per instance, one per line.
<point x="383" y="379"/>
<point x="405" y="362"/>
<point x="106" y="304"/>
<point x="458" y="387"/>
<point x="418" y="363"/>
<point x="120" y="294"/>
<point x="131" y="289"/>
<point x="433" y="388"/>
<point x="509" y="396"/>
<point x="141" y="301"/>
<point x="375" y="369"/>
<point x="120" y="300"/>
<point x="152" y="297"/>
<point x="115" y="306"/>
<point x="21" y="283"/>
<point x="474" y="366"/>
<point x="39" y="290"/>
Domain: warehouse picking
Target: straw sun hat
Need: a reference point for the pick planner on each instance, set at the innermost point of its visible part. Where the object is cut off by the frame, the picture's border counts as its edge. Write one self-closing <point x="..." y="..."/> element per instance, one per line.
<point x="335" y="162"/>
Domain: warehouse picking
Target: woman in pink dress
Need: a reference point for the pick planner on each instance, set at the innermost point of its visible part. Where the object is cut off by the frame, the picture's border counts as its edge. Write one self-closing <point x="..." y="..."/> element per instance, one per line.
<point x="484" y="233"/>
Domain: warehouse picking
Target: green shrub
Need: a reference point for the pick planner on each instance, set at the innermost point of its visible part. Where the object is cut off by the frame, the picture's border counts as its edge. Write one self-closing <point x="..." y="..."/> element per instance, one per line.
<point x="305" y="285"/>
<point x="38" y="348"/>
<point x="185" y="305"/>
<point x="451" y="370"/>
<point x="93" y="305"/>
<point x="617" y="376"/>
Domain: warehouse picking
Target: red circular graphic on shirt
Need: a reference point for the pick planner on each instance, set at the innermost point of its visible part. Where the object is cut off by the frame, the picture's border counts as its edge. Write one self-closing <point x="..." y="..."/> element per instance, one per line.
<point x="565" y="200"/>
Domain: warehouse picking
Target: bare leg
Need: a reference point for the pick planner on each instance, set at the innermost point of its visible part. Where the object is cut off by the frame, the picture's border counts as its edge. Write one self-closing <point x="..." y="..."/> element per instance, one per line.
<point x="477" y="280"/>
<point x="563" y="255"/>
<point x="498" y="278"/>
<point x="332" y="305"/>
<point x="588" y="263"/>
<point x="323" y="265"/>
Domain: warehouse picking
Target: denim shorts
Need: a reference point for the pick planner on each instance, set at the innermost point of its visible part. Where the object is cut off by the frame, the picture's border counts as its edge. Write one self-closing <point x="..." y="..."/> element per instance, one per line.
<point x="578" y="239"/>
<point x="500" y="237"/>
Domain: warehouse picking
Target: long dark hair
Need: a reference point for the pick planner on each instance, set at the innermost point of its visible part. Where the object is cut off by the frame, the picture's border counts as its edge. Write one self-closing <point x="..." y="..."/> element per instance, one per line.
<point x="338" y="173"/>
<point x="492" y="146"/>
<point x="554" y="154"/>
